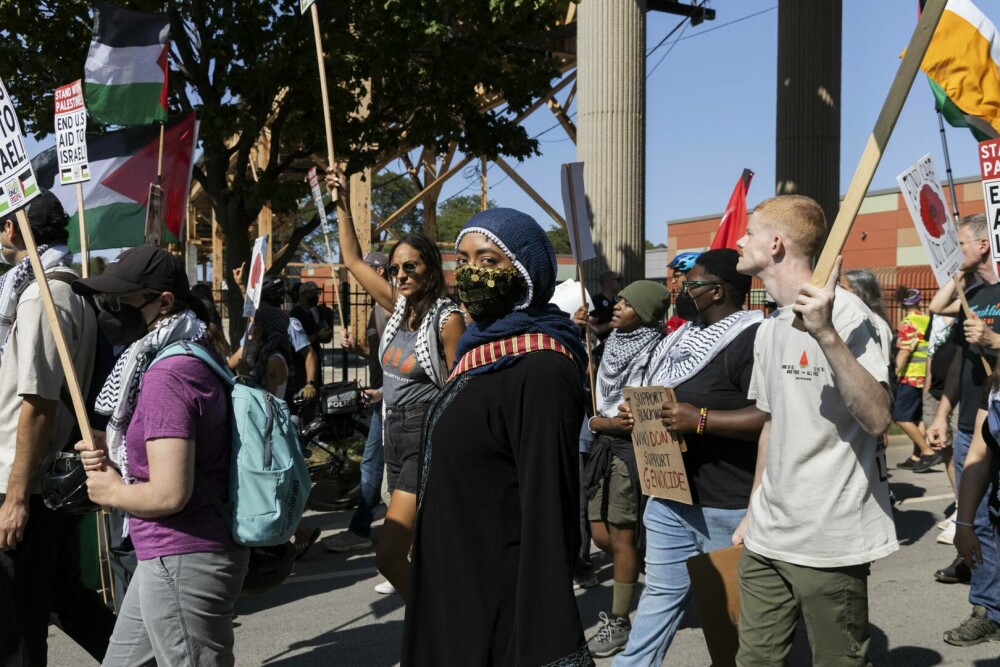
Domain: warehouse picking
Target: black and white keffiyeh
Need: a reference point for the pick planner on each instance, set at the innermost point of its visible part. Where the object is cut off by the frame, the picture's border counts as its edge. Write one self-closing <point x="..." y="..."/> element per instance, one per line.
<point x="120" y="392"/>
<point x="686" y="351"/>
<point x="443" y="308"/>
<point x="16" y="280"/>
<point x="626" y="356"/>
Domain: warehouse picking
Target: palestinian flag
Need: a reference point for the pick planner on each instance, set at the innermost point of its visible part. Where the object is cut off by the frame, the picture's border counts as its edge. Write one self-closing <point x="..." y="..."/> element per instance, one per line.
<point x="963" y="68"/>
<point x="126" y="71"/>
<point x="122" y="165"/>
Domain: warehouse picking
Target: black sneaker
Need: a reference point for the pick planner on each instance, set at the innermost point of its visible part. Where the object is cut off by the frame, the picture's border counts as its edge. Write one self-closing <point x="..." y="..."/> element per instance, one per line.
<point x="611" y="638"/>
<point x="956" y="573"/>
<point x="927" y="462"/>
<point x="908" y="464"/>
<point x="976" y="629"/>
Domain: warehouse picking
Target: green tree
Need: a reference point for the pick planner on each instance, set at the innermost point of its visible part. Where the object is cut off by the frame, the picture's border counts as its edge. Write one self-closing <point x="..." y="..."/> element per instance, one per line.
<point x="389" y="192"/>
<point x="401" y="74"/>
<point x="453" y="213"/>
<point x="560" y="239"/>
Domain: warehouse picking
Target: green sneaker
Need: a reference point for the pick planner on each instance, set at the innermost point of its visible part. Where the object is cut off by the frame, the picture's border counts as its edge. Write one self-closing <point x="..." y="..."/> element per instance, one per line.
<point x="976" y="629"/>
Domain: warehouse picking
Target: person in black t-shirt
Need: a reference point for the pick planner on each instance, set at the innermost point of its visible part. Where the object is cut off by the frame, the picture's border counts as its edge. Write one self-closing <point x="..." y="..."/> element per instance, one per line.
<point x="708" y="362"/>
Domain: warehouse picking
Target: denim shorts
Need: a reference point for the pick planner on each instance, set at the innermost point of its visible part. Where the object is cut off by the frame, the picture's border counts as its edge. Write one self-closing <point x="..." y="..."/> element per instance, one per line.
<point x="401" y="433"/>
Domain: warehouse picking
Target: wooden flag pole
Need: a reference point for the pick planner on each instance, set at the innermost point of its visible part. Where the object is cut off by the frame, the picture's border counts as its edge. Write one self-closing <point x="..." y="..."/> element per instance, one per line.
<point x="872" y="155"/>
<point x="583" y="287"/>
<point x="159" y="159"/>
<point x="325" y="92"/>
<point x="65" y="357"/>
<point x="84" y="251"/>
<point x="969" y="315"/>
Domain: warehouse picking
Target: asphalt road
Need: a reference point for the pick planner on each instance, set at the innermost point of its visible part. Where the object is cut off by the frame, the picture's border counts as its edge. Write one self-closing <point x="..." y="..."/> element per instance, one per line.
<point x="327" y="614"/>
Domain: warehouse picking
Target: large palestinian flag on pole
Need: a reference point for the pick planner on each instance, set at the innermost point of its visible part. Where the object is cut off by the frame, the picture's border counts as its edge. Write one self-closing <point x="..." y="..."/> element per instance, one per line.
<point x="963" y="68"/>
<point x="122" y="165"/>
<point x="126" y="71"/>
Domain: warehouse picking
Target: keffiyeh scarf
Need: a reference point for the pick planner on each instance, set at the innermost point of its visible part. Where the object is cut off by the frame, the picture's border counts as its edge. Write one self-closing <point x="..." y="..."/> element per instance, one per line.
<point x="626" y="356"/>
<point x="16" y="280"/>
<point x="120" y="393"/>
<point x="442" y="309"/>
<point x="685" y="352"/>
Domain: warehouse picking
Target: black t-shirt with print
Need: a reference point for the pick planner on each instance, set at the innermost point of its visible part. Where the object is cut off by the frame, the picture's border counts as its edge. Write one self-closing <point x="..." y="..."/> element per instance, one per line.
<point x="985" y="303"/>
<point x="720" y="470"/>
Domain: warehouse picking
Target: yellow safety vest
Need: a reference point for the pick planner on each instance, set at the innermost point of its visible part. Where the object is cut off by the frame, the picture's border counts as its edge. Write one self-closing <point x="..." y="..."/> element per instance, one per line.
<point x="917" y="367"/>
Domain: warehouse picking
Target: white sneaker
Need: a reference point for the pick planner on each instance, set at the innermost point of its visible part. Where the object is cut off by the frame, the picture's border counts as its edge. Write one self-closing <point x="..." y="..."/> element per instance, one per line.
<point x="385" y="588"/>
<point x="949" y="519"/>
<point x="947" y="535"/>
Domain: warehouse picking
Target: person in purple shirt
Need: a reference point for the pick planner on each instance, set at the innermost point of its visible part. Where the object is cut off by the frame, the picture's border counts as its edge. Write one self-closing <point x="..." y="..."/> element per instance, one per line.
<point x="169" y="426"/>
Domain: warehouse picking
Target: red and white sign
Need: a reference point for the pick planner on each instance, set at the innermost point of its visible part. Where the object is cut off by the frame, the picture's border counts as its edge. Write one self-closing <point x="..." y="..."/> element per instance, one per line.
<point x="989" y="166"/>
<point x="925" y="200"/>
<point x="71" y="134"/>
<point x="255" y="278"/>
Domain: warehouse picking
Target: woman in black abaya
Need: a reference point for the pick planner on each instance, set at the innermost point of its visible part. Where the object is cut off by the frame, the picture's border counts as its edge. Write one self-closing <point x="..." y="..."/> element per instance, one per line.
<point x="497" y="529"/>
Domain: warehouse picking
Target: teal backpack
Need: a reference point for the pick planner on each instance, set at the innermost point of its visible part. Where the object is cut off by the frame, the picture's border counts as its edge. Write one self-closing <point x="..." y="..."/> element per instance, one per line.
<point x="268" y="478"/>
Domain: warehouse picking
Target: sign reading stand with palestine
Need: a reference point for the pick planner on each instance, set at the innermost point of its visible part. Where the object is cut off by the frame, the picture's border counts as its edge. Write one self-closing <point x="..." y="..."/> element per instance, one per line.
<point x="71" y="134"/>
<point x="17" y="180"/>
<point x="989" y="165"/>
<point x="924" y="198"/>
<point x="657" y="450"/>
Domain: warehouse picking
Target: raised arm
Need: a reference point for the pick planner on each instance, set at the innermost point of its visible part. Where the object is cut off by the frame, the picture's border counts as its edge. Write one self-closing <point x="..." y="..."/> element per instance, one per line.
<point x="945" y="301"/>
<point x="350" y="247"/>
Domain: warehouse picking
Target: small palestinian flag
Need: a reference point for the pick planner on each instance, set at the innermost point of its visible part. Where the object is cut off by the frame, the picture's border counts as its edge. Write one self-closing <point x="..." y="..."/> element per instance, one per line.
<point x="126" y="71"/>
<point x="122" y="165"/>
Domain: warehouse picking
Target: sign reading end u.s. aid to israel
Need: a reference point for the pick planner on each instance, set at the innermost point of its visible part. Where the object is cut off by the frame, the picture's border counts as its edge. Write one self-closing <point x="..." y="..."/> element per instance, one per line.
<point x="17" y="180"/>
<point x="925" y="200"/>
<point x="71" y="134"/>
<point x="989" y="166"/>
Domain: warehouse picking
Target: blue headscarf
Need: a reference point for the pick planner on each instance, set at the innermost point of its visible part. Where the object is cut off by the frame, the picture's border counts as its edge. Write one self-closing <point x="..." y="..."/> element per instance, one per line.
<point x="523" y="241"/>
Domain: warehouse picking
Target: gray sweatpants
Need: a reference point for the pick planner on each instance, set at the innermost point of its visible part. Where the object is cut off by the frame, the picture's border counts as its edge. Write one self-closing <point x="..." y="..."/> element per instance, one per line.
<point x="178" y="611"/>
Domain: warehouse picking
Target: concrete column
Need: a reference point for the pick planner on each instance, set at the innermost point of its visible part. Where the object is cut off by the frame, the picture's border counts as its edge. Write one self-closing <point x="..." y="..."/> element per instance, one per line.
<point x="808" y="124"/>
<point x="611" y="103"/>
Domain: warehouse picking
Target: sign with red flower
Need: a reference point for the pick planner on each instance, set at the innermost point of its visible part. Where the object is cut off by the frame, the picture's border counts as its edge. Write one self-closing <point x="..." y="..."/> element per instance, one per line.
<point x="925" y="201"/>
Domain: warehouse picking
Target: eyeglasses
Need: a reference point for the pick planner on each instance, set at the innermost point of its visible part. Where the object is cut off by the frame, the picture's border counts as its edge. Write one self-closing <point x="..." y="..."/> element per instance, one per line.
<point x="114" y="302"/>
<point x="409" y="268"/>
<point x="689" y="285"/>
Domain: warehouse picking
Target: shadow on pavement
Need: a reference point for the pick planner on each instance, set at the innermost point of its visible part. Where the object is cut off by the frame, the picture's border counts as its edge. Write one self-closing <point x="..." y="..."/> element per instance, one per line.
<point x="372" y="645"/>
<point x="912" y="525"/>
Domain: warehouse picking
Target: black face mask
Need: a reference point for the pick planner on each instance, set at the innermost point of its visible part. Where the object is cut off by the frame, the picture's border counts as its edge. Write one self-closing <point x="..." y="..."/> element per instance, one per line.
<point x="687" y="307"/>
<point x="126" y="325"/>
<point x="489" y="293"/>
<point x="313" y="301"/>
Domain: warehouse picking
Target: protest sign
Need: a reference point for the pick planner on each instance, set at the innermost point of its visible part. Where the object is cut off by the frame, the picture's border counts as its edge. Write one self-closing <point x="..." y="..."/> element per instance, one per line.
<point x="154" y="215"/>
<point x="317" y="196"/>
<point x="71" y="134"/>
<point x="924" y="199"/>
<point x="657" y="450"/>
<point x="256" y="279"/>
<point x="577" y="214"/>
<point x="304" y="5"/>
<point x="17" y="180"/>
<point x="989" y="165"/>
<point x="568" y="298"/>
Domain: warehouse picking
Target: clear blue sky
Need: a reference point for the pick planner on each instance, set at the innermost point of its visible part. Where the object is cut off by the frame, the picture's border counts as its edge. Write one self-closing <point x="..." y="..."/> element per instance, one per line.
<point x="711" y="112"/>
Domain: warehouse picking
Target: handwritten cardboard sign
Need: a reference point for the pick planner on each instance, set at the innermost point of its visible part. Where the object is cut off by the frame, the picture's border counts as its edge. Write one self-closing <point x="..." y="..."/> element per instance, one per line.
<point x="657" y="450"/>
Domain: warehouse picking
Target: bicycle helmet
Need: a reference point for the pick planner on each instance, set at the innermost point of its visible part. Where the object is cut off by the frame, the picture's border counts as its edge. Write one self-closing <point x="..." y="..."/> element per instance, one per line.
<point x="64" y="485"/>
<point x="683" y="262"/>
<point x="269" y="566"/>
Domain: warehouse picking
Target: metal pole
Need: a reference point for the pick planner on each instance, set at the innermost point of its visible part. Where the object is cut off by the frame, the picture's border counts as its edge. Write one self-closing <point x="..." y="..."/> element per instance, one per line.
<point x="947" y="166"/>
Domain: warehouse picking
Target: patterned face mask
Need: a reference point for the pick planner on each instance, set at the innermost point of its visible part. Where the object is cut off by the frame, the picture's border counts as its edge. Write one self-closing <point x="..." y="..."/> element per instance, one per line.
<point x="489" y="293"/>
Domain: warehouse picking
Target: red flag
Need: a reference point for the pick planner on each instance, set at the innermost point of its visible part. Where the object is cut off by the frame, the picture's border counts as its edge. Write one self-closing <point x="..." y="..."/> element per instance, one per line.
<point x="734" y="220"/>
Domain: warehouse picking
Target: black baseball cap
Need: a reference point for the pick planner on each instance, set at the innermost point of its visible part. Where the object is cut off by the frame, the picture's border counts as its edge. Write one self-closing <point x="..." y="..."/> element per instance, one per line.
<point x="144" y="267"/>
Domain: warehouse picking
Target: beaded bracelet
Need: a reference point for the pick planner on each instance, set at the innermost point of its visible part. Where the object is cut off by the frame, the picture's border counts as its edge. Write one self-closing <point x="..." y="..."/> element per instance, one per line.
<point x="702" y="421"/>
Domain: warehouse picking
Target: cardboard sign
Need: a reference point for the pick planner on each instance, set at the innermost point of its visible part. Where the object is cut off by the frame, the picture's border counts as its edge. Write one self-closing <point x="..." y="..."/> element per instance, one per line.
<point x="577" y="214"/>
<point x="924" y="198"/>
<point x="989" y="165"/>
<point x="17" y="180"/>
<point x="657" y="450"/>
<point x="256" y="278"/>
<point x="154" y="215"/>
<point x="304" y="5"/>
<point x="317" y="196"/>
<point x="568" y="297"/>
<point x="71" y="134"/>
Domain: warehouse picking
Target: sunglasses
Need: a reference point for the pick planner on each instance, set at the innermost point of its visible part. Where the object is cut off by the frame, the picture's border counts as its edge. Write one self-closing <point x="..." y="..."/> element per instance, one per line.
<point x="114" y="302"/>
<point x="409" y="268"/>
<point x="691" y="284"/>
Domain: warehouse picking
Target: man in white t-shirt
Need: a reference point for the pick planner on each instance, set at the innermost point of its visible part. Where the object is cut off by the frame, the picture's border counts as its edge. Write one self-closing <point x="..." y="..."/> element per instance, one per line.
<point x="819" y="513"/>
